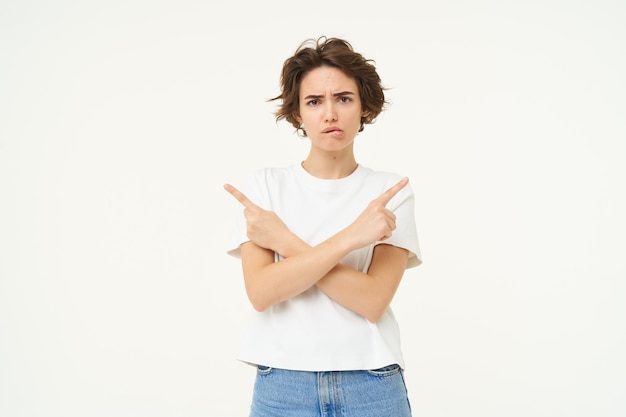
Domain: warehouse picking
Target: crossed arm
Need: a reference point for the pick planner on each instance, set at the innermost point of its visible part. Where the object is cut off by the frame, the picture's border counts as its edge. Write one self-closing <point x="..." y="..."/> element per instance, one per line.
<point x="303" y="266"/>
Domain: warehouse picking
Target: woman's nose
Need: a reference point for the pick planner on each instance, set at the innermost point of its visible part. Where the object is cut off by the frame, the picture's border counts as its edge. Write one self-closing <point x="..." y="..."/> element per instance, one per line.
<point x="331" y="114"/>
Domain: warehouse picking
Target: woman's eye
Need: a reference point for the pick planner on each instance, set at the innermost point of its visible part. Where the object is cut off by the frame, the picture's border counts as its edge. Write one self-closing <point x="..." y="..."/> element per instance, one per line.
<point x="311" y="102"/>
<point x="345" y="99"/>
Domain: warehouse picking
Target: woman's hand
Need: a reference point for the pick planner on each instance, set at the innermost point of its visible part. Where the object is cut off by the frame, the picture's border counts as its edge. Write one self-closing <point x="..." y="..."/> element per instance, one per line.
<point x="263" y="227"/>
<point x="376" y="222"/>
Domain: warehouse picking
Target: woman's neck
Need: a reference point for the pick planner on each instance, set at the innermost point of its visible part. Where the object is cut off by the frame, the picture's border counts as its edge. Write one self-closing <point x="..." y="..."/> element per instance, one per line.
<point x="330" y="167"/>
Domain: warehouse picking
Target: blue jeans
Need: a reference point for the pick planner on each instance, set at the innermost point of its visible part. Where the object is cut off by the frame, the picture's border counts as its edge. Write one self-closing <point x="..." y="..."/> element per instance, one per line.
<point x="375" y="393"/>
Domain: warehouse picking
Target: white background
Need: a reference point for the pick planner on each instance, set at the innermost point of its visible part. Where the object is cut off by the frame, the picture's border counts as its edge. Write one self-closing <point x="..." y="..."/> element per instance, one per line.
<point x="121" y="120"/>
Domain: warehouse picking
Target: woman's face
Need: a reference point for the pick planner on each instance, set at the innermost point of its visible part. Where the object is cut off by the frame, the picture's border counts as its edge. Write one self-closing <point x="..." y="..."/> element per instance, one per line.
<point x="330" y="108"/>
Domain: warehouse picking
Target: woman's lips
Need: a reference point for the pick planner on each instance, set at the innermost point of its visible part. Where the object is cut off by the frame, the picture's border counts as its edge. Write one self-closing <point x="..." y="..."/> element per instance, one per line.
<point x="333" y="131"/>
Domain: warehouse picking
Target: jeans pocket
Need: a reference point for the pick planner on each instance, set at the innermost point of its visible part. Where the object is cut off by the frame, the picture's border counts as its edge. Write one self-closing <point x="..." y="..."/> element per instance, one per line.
<point x="385" y="371"/>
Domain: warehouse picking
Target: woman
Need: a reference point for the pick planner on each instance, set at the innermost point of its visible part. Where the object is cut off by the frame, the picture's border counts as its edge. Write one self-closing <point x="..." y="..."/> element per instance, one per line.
<point x="324" y="244"/>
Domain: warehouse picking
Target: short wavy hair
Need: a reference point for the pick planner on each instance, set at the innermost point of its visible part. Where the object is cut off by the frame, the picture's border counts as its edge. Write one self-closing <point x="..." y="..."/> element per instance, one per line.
<point x="336" y="53"/>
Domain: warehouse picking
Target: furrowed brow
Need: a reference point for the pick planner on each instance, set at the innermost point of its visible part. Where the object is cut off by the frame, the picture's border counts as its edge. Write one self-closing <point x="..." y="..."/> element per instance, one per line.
<point x="319" y="96"/>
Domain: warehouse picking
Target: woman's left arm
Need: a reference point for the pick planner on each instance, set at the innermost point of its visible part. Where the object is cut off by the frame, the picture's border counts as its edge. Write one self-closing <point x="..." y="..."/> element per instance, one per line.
<point x="368" y="294"/>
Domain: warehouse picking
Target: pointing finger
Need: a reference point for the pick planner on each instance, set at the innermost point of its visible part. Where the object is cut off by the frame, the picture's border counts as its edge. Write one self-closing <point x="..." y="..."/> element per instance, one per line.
<point x="241" y="197"/>
<point x="385" y="197"/>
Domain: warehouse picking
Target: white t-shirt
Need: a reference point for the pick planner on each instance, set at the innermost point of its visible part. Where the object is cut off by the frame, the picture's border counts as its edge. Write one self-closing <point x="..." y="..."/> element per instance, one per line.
<point x="311" y="332"/>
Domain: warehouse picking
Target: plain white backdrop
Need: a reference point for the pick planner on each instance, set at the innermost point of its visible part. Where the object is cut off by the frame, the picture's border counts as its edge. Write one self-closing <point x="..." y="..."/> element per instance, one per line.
<point x="121" y="120"/>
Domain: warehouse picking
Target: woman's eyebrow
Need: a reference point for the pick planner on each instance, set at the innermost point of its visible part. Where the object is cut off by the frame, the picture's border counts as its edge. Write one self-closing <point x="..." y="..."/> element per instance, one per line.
<point x="344" y="93"/>
<point x="318" y="96"/>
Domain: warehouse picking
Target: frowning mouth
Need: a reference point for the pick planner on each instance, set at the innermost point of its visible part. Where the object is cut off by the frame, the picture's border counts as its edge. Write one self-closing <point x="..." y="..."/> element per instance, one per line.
<point x="331" y="129"/>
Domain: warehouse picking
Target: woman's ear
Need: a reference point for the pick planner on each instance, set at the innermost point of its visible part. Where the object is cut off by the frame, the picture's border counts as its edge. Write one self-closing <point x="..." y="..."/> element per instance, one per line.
<point x="365" y="113"/>
<point x="297" y="117"/>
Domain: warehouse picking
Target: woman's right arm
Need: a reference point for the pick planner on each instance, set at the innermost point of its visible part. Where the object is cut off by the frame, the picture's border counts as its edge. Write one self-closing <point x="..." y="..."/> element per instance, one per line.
<point x="268" y="282"/>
